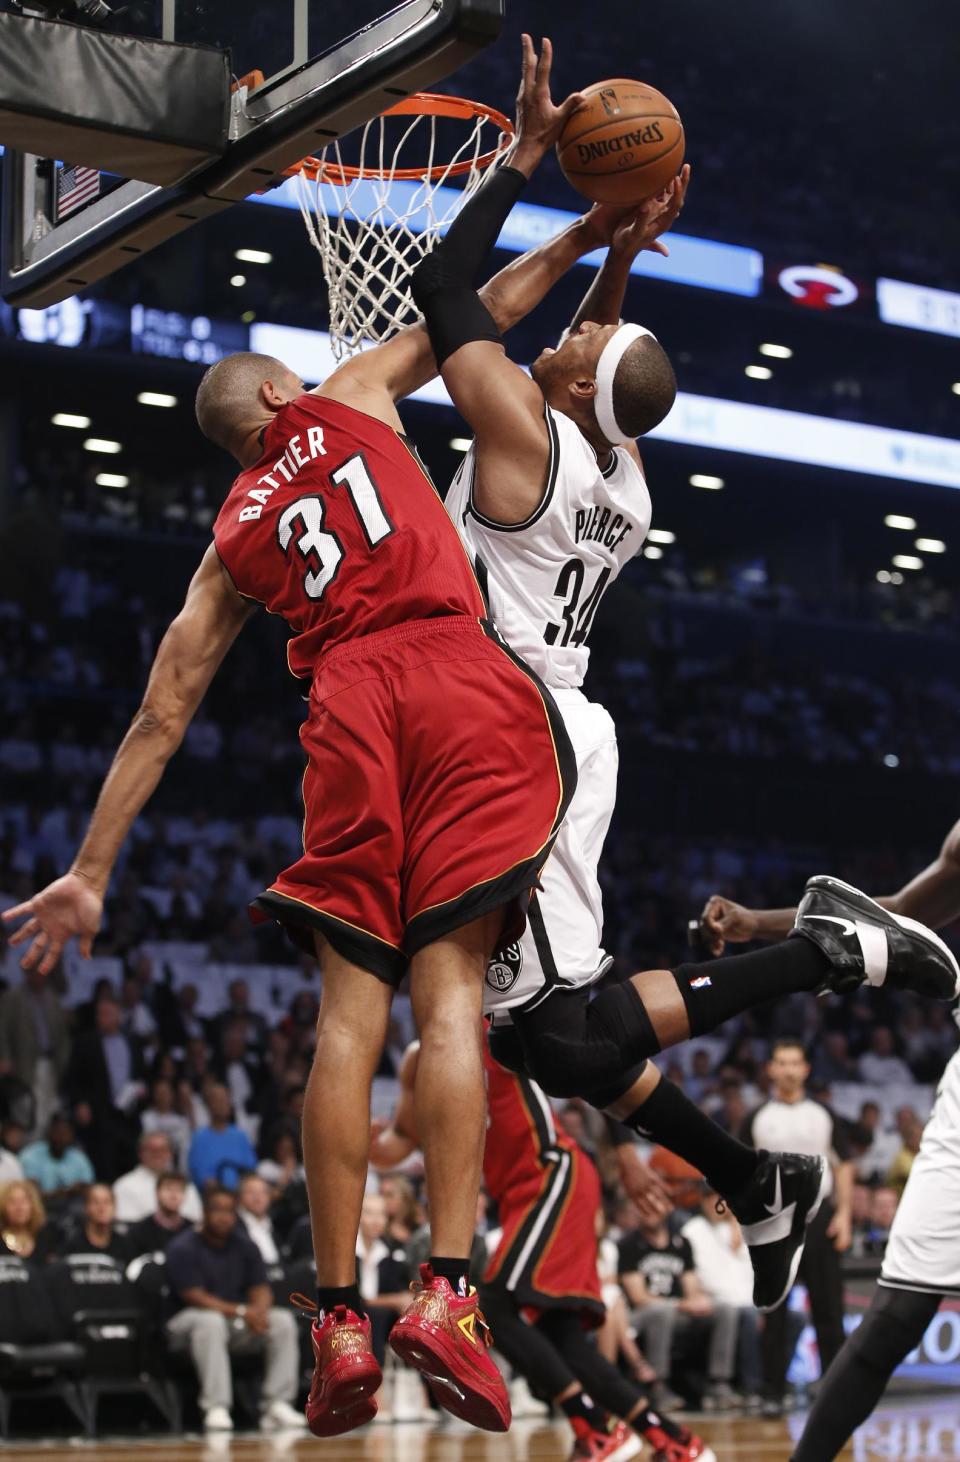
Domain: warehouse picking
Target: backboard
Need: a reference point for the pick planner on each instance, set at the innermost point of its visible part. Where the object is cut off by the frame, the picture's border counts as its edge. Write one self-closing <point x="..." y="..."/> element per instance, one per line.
<point x="327" y="66"/>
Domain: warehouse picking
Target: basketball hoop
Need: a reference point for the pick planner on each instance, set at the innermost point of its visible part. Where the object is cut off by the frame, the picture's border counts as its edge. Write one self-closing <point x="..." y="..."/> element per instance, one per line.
<point x="373" y="220"/>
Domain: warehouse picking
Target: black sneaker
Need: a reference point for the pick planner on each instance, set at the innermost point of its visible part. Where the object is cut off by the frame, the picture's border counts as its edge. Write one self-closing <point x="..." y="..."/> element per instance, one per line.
<point x="774" y="1209"/>
<point x="866" y="944"/>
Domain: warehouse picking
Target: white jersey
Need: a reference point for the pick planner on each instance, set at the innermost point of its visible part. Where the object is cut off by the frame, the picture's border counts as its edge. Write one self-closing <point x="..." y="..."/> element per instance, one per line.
<point x="544" y="578"/>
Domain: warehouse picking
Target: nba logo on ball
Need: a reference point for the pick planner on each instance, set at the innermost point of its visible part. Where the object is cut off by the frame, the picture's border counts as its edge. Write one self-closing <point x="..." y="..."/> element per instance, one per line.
<point x="503" y="971"/>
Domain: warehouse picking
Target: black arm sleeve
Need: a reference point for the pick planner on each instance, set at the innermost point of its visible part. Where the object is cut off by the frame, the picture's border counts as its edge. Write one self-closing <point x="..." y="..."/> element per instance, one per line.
<point x="444" y="283"/>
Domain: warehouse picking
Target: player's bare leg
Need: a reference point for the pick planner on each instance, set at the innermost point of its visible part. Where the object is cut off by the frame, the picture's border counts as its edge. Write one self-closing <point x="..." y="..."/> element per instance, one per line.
<point x="351" y="1031"/>
<point x="446" y="987"/>
<point x="441" y="1334"/>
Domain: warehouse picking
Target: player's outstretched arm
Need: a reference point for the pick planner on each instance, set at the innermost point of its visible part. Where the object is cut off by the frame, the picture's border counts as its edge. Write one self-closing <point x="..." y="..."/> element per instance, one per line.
<point x="380" y="377"/>
<point x="503" y="406"/>
<point x="932" y="898"/>
<point x="631" y="232"/>
<point x="189" y="655"/>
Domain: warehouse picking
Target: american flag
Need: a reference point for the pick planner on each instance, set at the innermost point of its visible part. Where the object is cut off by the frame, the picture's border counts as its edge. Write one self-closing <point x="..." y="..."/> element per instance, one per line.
<point x="75" y="186"/>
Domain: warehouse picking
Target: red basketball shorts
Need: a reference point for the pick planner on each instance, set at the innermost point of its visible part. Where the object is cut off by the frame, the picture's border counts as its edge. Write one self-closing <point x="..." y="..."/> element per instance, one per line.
<point x="438" y="772"/>
<point x="547" y="1257"/>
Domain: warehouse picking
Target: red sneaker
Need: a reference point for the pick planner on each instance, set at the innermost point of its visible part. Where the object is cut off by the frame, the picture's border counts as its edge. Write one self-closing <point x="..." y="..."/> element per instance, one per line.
<point x="346" y="1374"/>
<point x="446" y="1338"/>
<point x="616" y="1445"/>
<point x="685" y="1448"/>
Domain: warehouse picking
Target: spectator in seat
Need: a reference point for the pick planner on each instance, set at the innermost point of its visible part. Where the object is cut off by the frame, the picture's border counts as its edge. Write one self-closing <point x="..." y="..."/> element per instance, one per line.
<point x="671" y="1309"/>
<point x="10" y="1165"/>
<point x="98" y="1233"/>
<point x="136" y="1191"/>
<point x="155" y="1234"/>
<point x="911" y="1130"/>
<point x="883" y="1208"/>
<point x="23" y="1222"/>
<point x="722" y="1264"/>
<point x="239" y="1071"/>
<point x="162" y="1116"/>
<point x="221" y="1152"/>
<point x="254" y="1198"/>
<point x="35" y="1042"/>
<point x="58" y="1166"/>
<point x="381" y="1272"/>
<point x="883" y="1146"/>
<point x="403" y="1210"/>
<point x="240" y="1012"/>
<point x="226" y="1306"/>
<point x="104" y="1082"/>
<point x="283" y="1164"/>
<point x="881" y="1065"/>
<point x="187" y="1026"/>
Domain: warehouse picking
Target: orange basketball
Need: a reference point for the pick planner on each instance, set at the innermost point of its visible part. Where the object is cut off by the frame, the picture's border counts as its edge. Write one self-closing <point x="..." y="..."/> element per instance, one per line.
<point x="624" y="144"/>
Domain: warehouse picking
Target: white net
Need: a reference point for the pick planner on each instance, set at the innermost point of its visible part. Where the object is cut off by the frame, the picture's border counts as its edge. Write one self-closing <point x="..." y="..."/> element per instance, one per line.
<point x="372" y="220"/>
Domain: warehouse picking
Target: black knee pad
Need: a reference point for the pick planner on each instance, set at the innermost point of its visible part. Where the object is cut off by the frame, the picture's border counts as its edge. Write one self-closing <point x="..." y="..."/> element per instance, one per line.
<point x="597" y="1056"/>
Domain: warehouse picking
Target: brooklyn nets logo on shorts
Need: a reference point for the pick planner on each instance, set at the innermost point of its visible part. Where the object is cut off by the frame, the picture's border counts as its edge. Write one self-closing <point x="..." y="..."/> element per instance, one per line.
<point x="503" y="971"/>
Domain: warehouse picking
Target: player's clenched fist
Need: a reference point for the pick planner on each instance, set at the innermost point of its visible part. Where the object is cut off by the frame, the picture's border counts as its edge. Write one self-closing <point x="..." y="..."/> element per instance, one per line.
<point x="724" y="922"/>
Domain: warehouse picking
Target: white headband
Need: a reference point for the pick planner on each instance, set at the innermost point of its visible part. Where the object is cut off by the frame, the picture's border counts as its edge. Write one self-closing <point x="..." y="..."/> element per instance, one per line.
<point x="610" y="357"/>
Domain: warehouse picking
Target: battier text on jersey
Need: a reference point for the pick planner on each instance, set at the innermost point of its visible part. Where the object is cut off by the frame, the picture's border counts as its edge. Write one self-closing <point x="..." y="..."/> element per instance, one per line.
<point x="287" y="466"/>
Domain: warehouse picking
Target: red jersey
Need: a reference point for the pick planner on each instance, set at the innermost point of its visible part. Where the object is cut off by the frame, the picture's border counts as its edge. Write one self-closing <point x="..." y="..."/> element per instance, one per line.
<point x="521" y="1132"/>
<point x="339" y="529"/>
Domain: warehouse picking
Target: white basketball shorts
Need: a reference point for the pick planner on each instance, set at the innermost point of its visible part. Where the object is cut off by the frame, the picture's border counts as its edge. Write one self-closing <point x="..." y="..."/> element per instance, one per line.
<point x="923" y="1251"/>
<point x="561" y="944"/>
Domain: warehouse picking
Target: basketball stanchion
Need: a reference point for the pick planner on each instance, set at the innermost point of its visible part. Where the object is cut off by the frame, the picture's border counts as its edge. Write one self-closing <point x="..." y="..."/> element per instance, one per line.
<point x="372" y="220"/>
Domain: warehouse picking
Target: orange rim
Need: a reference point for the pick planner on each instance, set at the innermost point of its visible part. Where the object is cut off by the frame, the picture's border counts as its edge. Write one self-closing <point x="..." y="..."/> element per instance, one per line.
<point x="423" y="104"/>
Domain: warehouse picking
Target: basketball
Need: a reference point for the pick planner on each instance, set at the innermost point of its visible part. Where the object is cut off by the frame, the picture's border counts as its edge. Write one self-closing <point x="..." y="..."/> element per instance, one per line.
<point x="624" y="144"/>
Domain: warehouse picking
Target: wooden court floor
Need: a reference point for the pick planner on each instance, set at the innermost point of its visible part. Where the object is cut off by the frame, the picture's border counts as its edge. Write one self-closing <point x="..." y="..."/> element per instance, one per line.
<point x="914" y="1430"/>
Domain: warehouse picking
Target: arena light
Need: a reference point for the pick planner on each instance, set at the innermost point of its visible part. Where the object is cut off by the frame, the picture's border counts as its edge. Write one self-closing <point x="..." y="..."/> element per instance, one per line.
<point x="896" y="578"/>
<point x="883" y="576"/>
<point x="661" y="535"/>
<point x="703" y="479"/>
<point x="237" y="280"/>
<point x="898" y="520"/>
<point x="930" y="545"/>
<point x="67" y="418"/>
<point x="652" y="551"/>
<point x="955" y="388"/>
<point x="758" y="373"/>
<point x="460" y="444"/>
<point x="111" y="479"/>
<point x="891" y="760"/>
<point x="907" y="561"/>
<point x="156" y="398"/>
<point x="776" y="352"/>
<point x="103" y="445"/>
<point x="253" y="256"/>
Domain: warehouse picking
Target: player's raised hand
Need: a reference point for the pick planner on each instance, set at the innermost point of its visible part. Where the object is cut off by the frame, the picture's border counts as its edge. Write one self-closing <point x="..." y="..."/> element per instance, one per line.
<point x="69" y="908"/>
<point x="724" y="922"/>
<point x="642" y="226"/>
<point x="539" y="120"/>
<point x="645" y="1187"/>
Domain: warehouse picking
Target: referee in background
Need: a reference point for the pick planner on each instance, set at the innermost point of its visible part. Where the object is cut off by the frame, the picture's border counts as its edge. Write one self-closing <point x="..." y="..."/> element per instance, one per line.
<point x="791" y="1121"/>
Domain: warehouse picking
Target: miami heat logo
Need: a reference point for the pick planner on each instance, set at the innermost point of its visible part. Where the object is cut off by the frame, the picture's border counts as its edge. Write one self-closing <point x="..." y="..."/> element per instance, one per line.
<point x="503" y="971"/>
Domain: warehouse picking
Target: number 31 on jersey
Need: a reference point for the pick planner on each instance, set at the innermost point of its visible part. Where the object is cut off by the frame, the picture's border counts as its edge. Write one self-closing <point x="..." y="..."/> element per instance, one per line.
<point x="320" y="549"/>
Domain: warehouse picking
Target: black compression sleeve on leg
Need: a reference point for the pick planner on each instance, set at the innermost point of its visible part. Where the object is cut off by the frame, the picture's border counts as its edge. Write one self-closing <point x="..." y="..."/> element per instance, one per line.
<point x="529" y="1351"/>
<point x="675" y="1122"/>
<point x="717" y="991"/>
<point x="594" y="1372"/>
<point x="892" y="1326"/>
